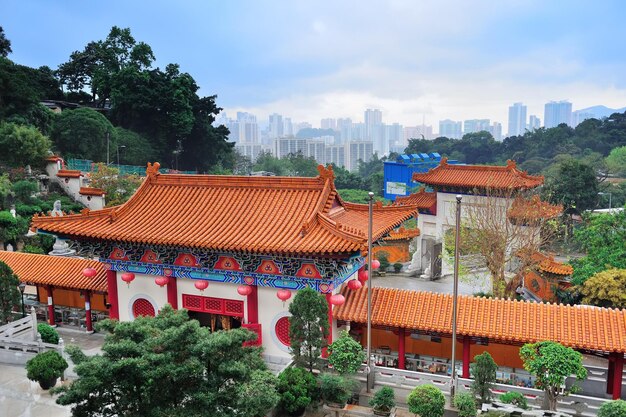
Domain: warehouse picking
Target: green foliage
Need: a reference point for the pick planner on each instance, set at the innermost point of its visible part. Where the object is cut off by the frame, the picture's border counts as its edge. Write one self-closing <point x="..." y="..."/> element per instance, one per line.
<point x="574" y="185"/>
<point x="484" y="371"/>
<point x="82" y="133"/>
<point x="466" y="404"/>
<point x="308" y="327"/>
<point x="76" y="354"/>
<point x="9" y="293"/>
<point x="297" y="389"/>
<point x="616" y="408"/>
<point x="605" y="289"/>
<point x="397" y="267"/>
<point x="118" y="188"/>
<point x="24" y="190"/>
<point x="12" y="229"/>
<point x="345" y="354"/>
<point x="33" y="249"/>
<point x="334" y="388"/>
<point x="45" y="366"/>
<point x="137" y="150"/>
<point x="22" y="145"/>
<point x="5" y="189"/>
<point x="551" y="363"/>
<point x="383" y="258"/>
<point x="356" y="196"/>
<point x="426" y="400"/>
<point x="259" y="395"/>
<point x="292" y="165"/>
<point x="383" y="400"/>
<point x="5" y="44"/>
<point x="48" y="333"/>
<point x="514" y="398"/>
<point x="616" y="161"/>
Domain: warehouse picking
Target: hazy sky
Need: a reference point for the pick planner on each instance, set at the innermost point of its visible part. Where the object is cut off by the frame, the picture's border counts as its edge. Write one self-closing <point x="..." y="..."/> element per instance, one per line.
<point x="313" y="59"/>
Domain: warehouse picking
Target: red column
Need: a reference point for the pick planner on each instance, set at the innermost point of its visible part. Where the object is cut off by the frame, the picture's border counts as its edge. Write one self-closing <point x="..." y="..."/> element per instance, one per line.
<point x="172" y="293"/>
<point x="114" y="309"/>
<point x="609" y="377"/>
<point x="50" y="306"/>
<point x="88" y="311"/>
<point x="401" y="352"/>
<point x="253" y="305"/>
<point x="466" y="357"/>
<point x="618" y="370"/>
<point x="330" y="324"/>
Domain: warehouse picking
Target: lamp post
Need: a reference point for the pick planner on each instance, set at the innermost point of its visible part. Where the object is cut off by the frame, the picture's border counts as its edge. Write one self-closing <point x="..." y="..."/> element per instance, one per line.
<point x="108" y="149"/>
<point x="22" y="287"/>
<point x="118" y="154"/>
<point x="369" y="292"/>
<point x="457" y="241"/>
<point x="601" y="193"/>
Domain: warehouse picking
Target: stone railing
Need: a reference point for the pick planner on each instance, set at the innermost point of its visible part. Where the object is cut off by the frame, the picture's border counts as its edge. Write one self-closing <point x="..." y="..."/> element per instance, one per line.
<point x="20" y="341"/>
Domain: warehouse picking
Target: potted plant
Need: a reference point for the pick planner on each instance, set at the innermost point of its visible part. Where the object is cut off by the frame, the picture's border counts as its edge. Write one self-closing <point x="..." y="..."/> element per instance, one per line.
<point x="46" y="368"/>
<point x="297" y="389"/>
<point x="426" y="400"/>
<point x="334" y="390"/>
<point x="383" y="401"/>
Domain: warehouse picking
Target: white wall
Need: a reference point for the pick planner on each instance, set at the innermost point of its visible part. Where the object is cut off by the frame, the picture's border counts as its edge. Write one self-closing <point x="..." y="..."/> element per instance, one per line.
<point x="143" y="286"/>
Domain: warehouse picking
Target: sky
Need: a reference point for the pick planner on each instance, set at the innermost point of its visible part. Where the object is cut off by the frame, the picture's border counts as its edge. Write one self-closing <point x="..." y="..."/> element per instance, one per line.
<point x="416" y="60"/>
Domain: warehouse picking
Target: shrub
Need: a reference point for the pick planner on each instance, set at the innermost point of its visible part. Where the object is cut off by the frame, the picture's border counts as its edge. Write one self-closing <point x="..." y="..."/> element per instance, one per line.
<point x="334" y="388"/>
<point x="297" y="389"/>
<point x="33" y="249"/>
<point x="466" y="404"/>
<point x="383" y="258"/>
<point x="76" y="354"/>
<point x="397" y="267"/>
<point x="48" y="333"/>
<point x="615" y="408"/>
<point x="484" y="372"/>
<point x="345" y="354"/>
<point x="384" y="399"/>
<point x="24" y="190"/>
<point x="45" y="367"/>
<point x="514" y="398"/>
<point x="426" y="400"/>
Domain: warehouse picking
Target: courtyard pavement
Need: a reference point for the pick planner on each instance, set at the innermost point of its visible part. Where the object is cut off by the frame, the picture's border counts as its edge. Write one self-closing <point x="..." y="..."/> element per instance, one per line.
<point x="468" y="285"/>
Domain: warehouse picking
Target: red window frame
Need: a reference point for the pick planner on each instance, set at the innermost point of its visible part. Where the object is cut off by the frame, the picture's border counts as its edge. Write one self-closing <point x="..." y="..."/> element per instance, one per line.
<point x="213" y="305"/>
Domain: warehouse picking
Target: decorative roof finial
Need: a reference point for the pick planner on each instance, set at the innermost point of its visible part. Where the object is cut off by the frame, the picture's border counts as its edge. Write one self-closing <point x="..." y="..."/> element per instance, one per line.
<point x="511" y="164"/>
<point x="153" y="169"/>
<point x="326" y="172"/>
<point x="444" y="161"/>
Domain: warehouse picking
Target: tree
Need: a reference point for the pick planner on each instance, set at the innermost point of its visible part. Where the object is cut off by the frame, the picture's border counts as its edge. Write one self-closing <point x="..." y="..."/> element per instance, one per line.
<point x="297" y="389"/>
<point x="605" y="289"/>
<point x="345" y="354"/>
<point x="574" y="185"/>
<point x="426" y="400"/>
<point x="5" y="44"/>
<point x="134" y="149"/>
<point x="308" y="327"/>
<point x="9" y="293"/>
<point x="466" y="404"/>
<point x="169" y="365"/>
<point x="12" y="229"/>
<point x="484" y="371"/>
<point x="616" y="161"/>
<point x="551" y="363"/>
<point x="118" y="188"/>
<point x="616" y="408"/>
<point x="22" y="145"/>
<point x="82" y="133"/>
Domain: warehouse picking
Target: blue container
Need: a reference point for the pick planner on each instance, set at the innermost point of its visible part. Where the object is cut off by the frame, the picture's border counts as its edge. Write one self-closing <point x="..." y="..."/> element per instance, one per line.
<point x="398" y="173"/>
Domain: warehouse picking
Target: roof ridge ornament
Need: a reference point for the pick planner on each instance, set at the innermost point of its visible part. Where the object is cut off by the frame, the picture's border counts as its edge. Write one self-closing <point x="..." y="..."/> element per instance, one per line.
<point x="326" y="173"/>
<point x="444" y="161"/>
<point x="511" y="164"/>
<point x="152" y="170"/>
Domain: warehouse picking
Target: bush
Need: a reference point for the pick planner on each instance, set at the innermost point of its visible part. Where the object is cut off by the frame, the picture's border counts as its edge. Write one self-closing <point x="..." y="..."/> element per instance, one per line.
<point x="345" y="354"/>
<point x="33" y="249"/>
<point x="383" y="258"/>
<point x="397" y="267"/>
<point x="615" y="408"/>
<point x="466" y="404"/>
<point x="297" y="389"/>
<point x="24" y="190"/>
<point x="26" y="210"/>
<point x="384" y="399"/>
<point x="48" y="333"/>
<point x="45" y="367"/>
<point x="484" y="372"/>
<point x="426" y="400"/>
<point x="514" y="398"/>
<point x="334" y="388"/>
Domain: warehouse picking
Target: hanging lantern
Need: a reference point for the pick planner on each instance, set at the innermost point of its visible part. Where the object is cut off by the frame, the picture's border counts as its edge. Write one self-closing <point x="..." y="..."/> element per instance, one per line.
<point x="245" y="290"/>
<point x="161" y="281"/>
<point x="128" y="277"/>
<point x="354" y="284"/>
<point x="201" y="284"/>
<point x="90" y="272"/>
<point x="375" y="264"/>
<point x="363" y="276"/>
<point x="337" y="299"/>
<point x="283" y="295"/>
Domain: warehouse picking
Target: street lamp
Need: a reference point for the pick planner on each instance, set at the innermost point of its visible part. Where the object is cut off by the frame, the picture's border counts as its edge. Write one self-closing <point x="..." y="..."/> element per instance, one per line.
<point x="369" y="292"/>
<point x="457" y="242"/>
<point x="118" y="154"/>
<point x="601" y="193"/>
<point x="22" y="287"/>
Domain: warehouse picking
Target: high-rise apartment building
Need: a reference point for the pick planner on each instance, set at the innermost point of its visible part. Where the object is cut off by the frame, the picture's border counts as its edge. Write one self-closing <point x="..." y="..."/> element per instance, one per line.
<point x="276" y="126"/>
<point x="287" y="127"/>
<point x="336" y="154"/>
<point x="556" y="113"/>
<point x="418" y="132"/>
<point x="329" y="124"/>
<point x="517" y="119"/>
<point x="580" y="116"/>
<point x="317" y="150"/>
<point x="358" y="150"/>
<point x="285" y="146"/>
<point x="534" y="122"/>
<point x="450" y="129"/>
<point x="496" y="130"/>
<point x="374" y="130"/>
<point x="476" y="125"/>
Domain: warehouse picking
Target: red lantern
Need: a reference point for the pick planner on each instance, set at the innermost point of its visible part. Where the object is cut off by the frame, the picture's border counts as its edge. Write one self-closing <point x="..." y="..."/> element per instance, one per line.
<point x="90" y="272"/>
<point x="283" y="294"/>
<point x="161" y="281"/>
<point x="337" y="299"/>
<point x="375" y="264"/>
<point x="363" y="276"/>
<point x="128" y="277"/>
<point x="201" y="284"/>
<point x="354" y="284"/>
<point x="245" y="290"/>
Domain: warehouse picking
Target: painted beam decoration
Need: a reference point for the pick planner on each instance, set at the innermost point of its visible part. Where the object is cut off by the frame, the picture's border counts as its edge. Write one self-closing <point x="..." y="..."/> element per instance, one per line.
<point x="275" y="271"/>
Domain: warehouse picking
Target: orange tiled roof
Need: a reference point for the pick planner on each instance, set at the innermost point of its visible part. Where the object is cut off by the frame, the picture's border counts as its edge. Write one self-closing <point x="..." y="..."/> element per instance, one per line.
<point x="402" y="234"/>
<point x="533" y="208"/>
<point x="478" y="176"/>
<point x="234" y="213"/>
<point x="548" y="264"/>
<point x="54" y="158"/>
<point x="580" y="327"/>
<point x="69" y="173"/>
<point x="422" y="199"/>
<point x="58" y="271"/>
<point x="91" y="191"/>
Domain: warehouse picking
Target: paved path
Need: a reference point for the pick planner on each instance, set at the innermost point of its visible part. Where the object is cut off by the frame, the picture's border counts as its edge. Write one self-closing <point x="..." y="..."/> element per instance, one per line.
<point x="467" y="285"/>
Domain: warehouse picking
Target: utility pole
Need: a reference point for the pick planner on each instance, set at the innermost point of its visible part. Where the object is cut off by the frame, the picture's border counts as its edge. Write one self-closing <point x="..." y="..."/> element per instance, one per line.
<point x="455" y="293"/>
<point x="107" y="148"/>
<point x="369" y="293"/>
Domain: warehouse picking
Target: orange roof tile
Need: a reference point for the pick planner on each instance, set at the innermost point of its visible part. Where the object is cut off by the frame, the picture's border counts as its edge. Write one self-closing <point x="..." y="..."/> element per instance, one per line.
<point x="402" y="234"/>
<point x="91" y="191"/>
<point x="58" y="271"/>
<point x="421" y="199"/>
<point x="548" y="264"/>
<point x="580" y="327"/>
<point x="69" y="173"/>
<point x="54" y="158"/>
<point x="234" y="213"/>
<point x="478" y="176"/>
<point x="533" y="209"/>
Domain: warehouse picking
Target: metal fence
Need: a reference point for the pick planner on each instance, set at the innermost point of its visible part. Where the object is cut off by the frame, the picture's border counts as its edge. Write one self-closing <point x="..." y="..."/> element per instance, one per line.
<point x="86" y="165"/>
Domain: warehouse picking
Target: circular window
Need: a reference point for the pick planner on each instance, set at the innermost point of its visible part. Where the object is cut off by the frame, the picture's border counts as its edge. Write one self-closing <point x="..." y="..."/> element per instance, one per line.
<point x="143" y="307"/>
<point x="282" y="331"/>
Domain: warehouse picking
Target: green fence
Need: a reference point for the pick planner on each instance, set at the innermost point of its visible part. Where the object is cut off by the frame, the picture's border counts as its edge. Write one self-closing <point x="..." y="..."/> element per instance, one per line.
<point x="85" y="165"/>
